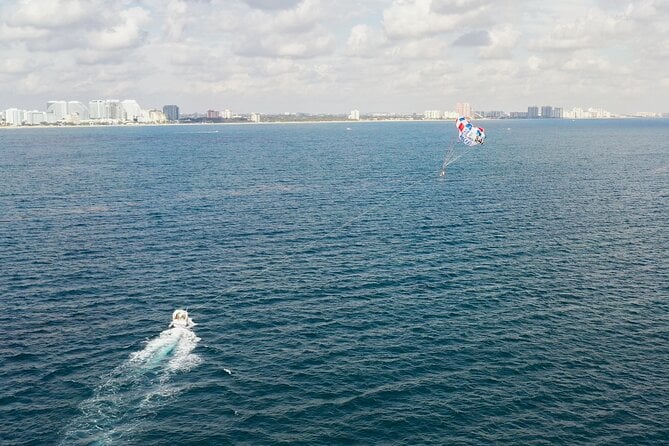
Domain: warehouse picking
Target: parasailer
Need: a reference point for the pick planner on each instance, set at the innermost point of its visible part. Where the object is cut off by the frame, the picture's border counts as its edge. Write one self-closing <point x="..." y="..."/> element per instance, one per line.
<point x="468" y="134"/>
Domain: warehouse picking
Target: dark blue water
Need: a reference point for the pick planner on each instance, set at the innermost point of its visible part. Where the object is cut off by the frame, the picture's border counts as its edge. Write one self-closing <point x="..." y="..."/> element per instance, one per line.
<point x="345" y="293"/>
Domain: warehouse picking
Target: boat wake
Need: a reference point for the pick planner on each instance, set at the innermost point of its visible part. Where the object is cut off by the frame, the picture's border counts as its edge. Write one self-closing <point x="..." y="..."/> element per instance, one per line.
<point x="134" y="390"/>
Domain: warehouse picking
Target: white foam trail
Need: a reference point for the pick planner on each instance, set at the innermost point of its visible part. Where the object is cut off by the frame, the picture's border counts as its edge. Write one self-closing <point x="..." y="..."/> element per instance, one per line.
<point x="173" y="346"/>
<point x="134" y="389"/>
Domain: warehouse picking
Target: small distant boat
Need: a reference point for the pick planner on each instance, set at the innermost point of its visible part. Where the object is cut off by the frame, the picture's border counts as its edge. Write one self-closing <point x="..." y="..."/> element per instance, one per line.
<point x="180" y="319"/>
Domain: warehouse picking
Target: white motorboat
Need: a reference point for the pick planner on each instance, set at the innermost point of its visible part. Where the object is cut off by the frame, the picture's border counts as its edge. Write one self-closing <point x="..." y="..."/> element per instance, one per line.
<point x="180" y="319"/>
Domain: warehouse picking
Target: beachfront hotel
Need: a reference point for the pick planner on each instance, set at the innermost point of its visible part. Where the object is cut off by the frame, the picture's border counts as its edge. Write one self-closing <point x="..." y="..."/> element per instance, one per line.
<point x="99" y="111"/>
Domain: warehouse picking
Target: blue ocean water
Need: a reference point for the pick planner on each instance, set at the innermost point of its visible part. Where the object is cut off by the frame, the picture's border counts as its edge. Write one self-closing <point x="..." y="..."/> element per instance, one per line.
<point x="345" y="292"/>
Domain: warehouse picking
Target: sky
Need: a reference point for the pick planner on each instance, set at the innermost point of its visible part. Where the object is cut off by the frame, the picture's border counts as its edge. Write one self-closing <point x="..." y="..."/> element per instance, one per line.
<point x="332" y="56"/>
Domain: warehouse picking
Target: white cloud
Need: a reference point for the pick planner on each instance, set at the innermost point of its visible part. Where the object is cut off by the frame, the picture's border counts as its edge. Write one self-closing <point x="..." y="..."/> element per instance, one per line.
<point x="11" y="34"/>
<point x="49" y="13"/>
<point x="175" y="19"/>
<point x="303" y="45"/>
<point x="425" y="49"/>
<point x="503" y="40"/>
<point x="16" y="66"/>
<point x="365" y="41"/>
<point x="272" y="4"/>
<point x="474" y="39"/>
<point x="303" y="18"/>
<point x="589" y="65"/>
<point x="400" y="54"/>
<point x="416" y="18"/>
<point x="458" y="6"/>
<point x="648" y="10"/>
<point x="534" y="63"/>
<point x="592" y="29"/>
<point x="126" y="34"/>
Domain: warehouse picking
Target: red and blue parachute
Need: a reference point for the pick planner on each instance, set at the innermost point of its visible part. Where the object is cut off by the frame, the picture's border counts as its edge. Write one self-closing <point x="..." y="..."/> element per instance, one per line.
<point x="469" y="134"/>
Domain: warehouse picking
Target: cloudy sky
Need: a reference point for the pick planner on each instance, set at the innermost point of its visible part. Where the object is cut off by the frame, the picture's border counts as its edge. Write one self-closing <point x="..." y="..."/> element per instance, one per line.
<point x="331" y="56"/>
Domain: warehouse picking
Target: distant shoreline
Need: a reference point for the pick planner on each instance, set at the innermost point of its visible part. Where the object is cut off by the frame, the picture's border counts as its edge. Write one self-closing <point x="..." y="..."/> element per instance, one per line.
<point x="174" y="124"/>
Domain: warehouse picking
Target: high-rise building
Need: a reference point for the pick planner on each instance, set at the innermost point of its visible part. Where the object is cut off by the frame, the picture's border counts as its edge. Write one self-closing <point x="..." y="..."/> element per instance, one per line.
<point x="171" y="112"/>
<point x="574" y="113"/>
<point x="77" y="112"/>
<point x="154" y="115"/>
<point x="14" y="116"/>
<point x="546" y="111"/>
<point x="96" y="109"/>
<point x="463" y="109"/>
<point x="557" y="112"/>
<point x="354" y="115"/>
<point x="533" y="112"/>
<point x="255" y="117"/>
<point x="433" y="114"/>
<point x="35" y="117"/>
<point x="213" y="114"/>
<point x="494" y="114"/>
<point x="56" y="111"/>
<point x="227" y="114"/>
<point x="132" y="112"/>
<point x="114" y="110"/>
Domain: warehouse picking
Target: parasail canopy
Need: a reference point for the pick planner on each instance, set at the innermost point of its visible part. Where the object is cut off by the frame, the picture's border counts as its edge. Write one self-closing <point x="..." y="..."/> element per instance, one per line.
<point x="468" y="134"/>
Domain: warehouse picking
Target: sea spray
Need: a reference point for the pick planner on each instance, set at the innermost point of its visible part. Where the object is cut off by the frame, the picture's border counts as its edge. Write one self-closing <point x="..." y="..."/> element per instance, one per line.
<point x="134" y="389"/>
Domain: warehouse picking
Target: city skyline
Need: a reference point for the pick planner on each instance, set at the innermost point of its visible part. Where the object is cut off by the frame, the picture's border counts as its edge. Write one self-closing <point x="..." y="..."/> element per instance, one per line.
<point x="114" y="111"/>
<point x="331" y="57"/>
<point x="460" y="108"/>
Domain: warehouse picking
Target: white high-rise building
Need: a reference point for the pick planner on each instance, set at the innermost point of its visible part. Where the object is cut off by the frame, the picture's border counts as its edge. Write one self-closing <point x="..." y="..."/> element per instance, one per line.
<point x="227" y="114"/>
<point x="56" y="111"/>
<point x="433" y="114"/>
<point x="132" y="112"/>
<point x="354" y="115"/>
<point x="97" y="109"/>
<point x="14" y="116"/>
<point x="154" y="115"/>
<point x="255" y="117"/>
<point x="35" y="117"/>
<point x="77" y="112"/>
<point x="574" y="113"/>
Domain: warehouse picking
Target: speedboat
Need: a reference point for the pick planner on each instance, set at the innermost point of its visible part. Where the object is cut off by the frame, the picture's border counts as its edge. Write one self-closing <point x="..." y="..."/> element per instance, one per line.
<point x="180" y="319"/>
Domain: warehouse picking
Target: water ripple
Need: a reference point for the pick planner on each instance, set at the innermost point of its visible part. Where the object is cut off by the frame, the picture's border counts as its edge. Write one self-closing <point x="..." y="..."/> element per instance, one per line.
<point x="345" y="293"/>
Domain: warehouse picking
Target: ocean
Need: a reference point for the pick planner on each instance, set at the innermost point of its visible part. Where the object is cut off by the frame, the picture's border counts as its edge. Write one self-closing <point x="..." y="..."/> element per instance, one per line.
<point x="344" y="292"/>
